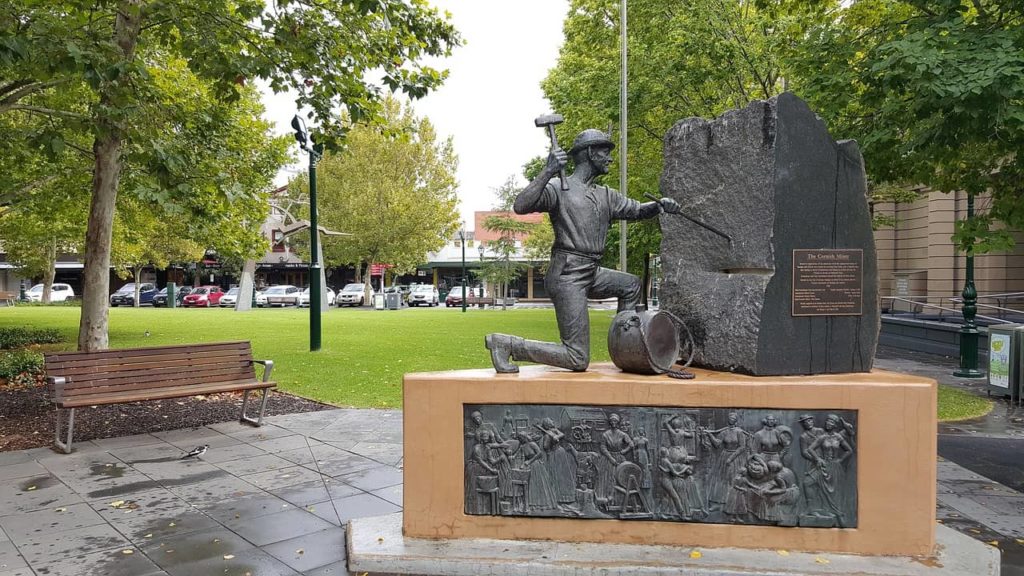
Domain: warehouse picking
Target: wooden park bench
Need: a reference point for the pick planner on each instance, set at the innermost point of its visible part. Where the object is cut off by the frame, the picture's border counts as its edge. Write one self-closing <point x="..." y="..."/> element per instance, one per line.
<point x="8" y="298"/>
<point x="482" y="301"/>
<point x="479" y="301"/>
<point x="78" y="379"/>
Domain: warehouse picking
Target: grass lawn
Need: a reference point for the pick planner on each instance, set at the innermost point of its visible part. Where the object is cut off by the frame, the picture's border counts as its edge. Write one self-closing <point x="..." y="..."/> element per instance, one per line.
<point x="956" y="404"/>
<point x="365" y="352"/>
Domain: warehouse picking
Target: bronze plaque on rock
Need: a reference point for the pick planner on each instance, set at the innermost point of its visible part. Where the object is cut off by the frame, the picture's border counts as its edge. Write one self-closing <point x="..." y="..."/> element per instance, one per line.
<point x="828" y="282"/>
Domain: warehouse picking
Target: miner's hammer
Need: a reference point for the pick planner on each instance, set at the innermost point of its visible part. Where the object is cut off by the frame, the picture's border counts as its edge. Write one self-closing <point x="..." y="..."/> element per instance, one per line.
<point x="549" y="121"/>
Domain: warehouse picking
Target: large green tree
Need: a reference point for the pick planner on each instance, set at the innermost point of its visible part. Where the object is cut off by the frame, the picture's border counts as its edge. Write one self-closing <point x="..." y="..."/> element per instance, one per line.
<point x="692" y="58"/>
<point x="329" y="51"/>
<point x="392" y="188"/>
<point x="934" y="92"/>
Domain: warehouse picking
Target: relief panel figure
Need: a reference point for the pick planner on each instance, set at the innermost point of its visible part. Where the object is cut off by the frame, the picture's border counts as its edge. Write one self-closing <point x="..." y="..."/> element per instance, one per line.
<point x="615" y="445"/>
<point x="730" y="445"/>
<point x="540" y="495"/>
<point x="772" y="440"/>
<point x="561" y="463"/>
<point x="829" y="453"/>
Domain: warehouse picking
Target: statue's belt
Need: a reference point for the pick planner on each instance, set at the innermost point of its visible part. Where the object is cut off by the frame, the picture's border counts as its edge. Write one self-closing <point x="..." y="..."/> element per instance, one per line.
<point x="596" y="256"/>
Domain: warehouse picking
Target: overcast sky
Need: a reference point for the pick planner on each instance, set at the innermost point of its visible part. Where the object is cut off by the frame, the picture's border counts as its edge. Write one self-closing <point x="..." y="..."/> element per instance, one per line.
<point x="492" y="94"/>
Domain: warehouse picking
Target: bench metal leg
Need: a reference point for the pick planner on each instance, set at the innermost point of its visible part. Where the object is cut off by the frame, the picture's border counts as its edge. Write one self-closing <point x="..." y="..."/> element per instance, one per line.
<point x="65" y="446"/>
<point x="263" y="406"/>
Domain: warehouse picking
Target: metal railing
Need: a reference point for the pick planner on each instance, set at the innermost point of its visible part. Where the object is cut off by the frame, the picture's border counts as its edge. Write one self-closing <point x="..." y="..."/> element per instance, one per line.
<point x="1001" y="301"/>
<point x="916" y="308"/>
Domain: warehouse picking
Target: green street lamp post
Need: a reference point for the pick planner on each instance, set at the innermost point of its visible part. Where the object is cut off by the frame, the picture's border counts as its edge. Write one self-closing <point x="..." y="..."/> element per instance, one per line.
<point x="315" y="151"/>
<point x="462" y="237"/>
<point x="969" y="330"/>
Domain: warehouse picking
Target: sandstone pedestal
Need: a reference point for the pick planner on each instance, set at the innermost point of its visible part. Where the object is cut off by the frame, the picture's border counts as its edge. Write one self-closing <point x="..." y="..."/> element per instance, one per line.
<point x="895" y="455"/>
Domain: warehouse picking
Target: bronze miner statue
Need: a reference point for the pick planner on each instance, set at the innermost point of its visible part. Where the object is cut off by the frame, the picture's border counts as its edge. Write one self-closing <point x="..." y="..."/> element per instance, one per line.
<point x="581" y="213"/>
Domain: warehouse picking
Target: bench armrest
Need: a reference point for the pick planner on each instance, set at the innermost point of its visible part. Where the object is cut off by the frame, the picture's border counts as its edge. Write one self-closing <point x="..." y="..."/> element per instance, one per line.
<point x="56" y="386"/>
<point x="268" y="367"/>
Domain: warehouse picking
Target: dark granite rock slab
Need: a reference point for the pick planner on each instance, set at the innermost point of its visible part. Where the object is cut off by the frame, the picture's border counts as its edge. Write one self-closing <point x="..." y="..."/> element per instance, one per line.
<point x="772" y="177"/>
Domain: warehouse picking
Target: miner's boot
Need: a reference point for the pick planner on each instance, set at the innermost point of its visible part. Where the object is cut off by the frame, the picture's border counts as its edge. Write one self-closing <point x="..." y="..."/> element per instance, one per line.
<point x="500" y="346"/>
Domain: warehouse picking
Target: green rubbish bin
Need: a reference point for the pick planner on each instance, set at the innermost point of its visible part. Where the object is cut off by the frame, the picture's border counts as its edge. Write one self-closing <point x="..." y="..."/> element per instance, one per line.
<point x="1005" y="366"/>
<point x="172" y="295"/>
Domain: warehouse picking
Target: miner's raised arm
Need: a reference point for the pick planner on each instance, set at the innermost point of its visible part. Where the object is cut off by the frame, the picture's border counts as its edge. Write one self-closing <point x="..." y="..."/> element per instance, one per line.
<point x="533" y="198"/>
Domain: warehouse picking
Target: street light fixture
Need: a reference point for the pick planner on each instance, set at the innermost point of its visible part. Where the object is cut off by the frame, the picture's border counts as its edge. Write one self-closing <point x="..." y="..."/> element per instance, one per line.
<point x="315" y="152"/>
<point x="462" y="238"/>
<point x="969" y="330"/>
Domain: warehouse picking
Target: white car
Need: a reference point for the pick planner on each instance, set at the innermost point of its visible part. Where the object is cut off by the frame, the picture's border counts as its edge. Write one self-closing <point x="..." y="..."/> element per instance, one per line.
<point x="424" y="295"/>
<point x="230" y="298"/>
<point x="351" y="295"/>
<point x="304" y="297"/>
<point x="59" y="292"/>
<point x="261" y="299"/>
<point x="282" y="295"/>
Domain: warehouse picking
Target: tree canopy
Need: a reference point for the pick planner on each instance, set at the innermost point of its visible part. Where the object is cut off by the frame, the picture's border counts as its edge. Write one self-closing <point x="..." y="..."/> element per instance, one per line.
<point x="694" y="58"/>
<point x="334" y="53"/>
<point x="392" y="188"/>
<point x="933" y="90"/>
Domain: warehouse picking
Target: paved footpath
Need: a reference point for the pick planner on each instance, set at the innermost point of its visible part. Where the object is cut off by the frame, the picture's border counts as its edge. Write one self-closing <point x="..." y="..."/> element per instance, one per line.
<point x="273" y="500"/>
<point x="981" y="463"/>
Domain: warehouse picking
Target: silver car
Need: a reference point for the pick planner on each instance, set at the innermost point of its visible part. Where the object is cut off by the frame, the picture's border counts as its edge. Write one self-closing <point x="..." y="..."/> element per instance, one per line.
<point x="351" y="295"/>
<point x="282" y="295"/>
<point x="304" y="297"/>
<point x="230" y="298"/>
<point x="424" y="295"/>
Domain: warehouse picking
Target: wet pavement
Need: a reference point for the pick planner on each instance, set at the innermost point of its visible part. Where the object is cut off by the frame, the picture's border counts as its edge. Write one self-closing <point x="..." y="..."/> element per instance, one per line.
<point x="981" y="462"/>
<point x="274" y="500"/>
<point x="266" y="501"/>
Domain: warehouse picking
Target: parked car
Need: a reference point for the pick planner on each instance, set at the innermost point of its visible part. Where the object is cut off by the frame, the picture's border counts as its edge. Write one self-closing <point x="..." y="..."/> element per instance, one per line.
<point x="229" y="298"/>
<point x="454" y="297"/>
<point x="59" y="292"/>
<point x="125" y="295"/>
<point x="304" y="297"/>
<point x="204" y="296"/>
<point x="261" y="299"/>
<point x="351" y="295"/>
<point x="424" y="295"/>
<point x="282" y="295"/>
<point x="179" y="295"/>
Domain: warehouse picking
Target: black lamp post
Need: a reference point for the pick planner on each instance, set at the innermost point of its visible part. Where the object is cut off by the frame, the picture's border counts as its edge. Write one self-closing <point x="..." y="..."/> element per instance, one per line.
<point x="462" y="238"/>
<point x="969" y="330"/>
<point x="315" y="151"/>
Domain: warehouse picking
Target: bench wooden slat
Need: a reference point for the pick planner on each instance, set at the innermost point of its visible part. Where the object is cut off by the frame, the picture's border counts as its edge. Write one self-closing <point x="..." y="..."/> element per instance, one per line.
<point x="57" y="363"/>
<point x="155" y="372"/>
<point x="85" y="372"/>
<point x="151" y="350"/>
<point x="103" y="387"/>
<point x="165" y="393"/>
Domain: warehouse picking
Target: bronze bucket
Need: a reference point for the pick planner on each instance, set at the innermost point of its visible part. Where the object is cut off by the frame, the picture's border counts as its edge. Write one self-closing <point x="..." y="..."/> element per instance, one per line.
<point x="642" y="341"/>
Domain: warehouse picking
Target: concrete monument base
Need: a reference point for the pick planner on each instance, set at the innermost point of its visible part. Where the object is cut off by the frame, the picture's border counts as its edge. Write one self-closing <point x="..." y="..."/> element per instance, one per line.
<point x="376" y="546"/>
<point x="895" y="455"/>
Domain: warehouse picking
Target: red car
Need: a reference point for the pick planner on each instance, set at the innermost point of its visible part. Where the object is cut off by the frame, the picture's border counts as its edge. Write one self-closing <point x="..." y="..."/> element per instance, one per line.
<point x="204" y="296"/>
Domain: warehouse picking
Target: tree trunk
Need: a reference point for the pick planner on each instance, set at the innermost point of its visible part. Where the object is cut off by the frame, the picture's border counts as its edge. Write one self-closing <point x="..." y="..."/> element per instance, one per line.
<point x="50" y="273"/>
<point x="137" y="275"/>
<point x="92" y="328"/>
